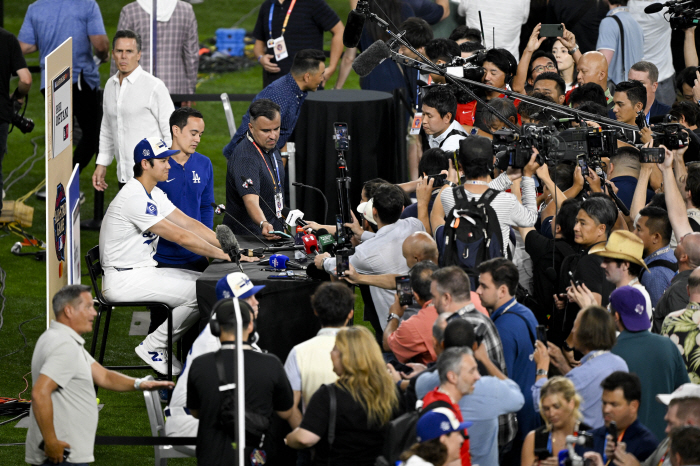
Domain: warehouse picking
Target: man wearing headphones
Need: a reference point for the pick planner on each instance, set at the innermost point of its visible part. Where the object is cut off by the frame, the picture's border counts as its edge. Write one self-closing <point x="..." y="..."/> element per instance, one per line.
<point x="499" y="68"/>
<point x="266" y="390"/>
<point x="178" y="420"/>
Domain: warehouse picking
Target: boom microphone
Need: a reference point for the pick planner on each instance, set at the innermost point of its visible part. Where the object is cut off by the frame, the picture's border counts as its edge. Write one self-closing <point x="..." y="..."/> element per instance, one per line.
<point x="353" y="29"/>
<point x="229" y="244"/>
<point x="221" y="209"/>
<point x="656" y="7"/>
<point x="371" y="58"/>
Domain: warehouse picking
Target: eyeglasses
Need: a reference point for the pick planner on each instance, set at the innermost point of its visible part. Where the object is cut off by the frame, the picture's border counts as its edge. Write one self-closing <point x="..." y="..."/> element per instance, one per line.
<point x="541" y="68"/>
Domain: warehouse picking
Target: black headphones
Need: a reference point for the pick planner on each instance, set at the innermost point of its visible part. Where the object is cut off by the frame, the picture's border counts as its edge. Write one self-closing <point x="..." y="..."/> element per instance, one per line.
<point x="215" y="323"/>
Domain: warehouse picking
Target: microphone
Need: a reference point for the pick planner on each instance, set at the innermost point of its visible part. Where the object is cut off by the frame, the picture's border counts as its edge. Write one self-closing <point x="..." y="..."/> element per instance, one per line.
<point x="355" y="24"/>
<point x="258" y="251"/>
<point x="278" y="261"/>
<point x="325" y="200"/>
<point x="656" y="7"/>
<point x="371" y="58"/>
<point x="221" y="209"/>
<point x="229" y="244"/>
<point x="248" y="183"/>
<point x="326" y="241"/>
<point x="310" y="244"/>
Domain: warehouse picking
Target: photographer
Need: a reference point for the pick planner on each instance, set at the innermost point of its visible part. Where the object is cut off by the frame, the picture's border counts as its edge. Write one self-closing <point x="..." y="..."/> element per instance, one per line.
<point x="11" y="62"/>
<point x="433" y="164"/>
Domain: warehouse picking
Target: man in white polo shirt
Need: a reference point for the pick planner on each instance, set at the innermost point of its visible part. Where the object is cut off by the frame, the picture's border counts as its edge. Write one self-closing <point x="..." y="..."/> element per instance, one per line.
<point x="137" y="217"/>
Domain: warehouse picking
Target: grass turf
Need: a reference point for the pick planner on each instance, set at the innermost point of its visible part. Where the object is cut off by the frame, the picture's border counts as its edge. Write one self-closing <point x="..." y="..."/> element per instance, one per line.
<point x="25" y="290"/>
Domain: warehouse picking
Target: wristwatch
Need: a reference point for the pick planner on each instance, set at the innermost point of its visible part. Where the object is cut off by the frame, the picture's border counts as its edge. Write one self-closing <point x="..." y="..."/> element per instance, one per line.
<point x="573" y="51"/>
<point x="137" y="383"/>
<point x="261" y="223"/>
<point x="542" y="372"/>
<point x="393" y="316"/>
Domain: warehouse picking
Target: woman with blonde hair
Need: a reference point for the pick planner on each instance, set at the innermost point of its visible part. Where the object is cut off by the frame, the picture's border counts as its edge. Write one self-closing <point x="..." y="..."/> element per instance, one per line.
<point x="366" y="400"/>
<point x="559" y="406"/>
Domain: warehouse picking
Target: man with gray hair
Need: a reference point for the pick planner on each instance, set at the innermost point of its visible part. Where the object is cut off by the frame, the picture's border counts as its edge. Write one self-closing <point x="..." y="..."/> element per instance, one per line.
<point x="135" y="105"/>
<point x="648" y="74"/>
<point x="458" y="373"/>
<point x="63" y="415"/>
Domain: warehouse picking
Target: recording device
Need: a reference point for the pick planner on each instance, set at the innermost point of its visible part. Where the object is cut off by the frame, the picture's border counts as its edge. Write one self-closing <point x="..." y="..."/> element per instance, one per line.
<point x="581" y="162"/>
<point x="569" y="457"/>
<point x="371" y="58"/>
<point x="542" y="334"/>
<point x="355" y="24"/>
<point x="340" y="134"/>
<point x="480" y="333"/>
<point x="403" y="290"/>
<point x="670" y="135"/>
<point x="326" y="242"/>
<point x="438" y="180"/>
<point x="681" y="14"/>
<point x="652" y="155"/>
<point x="470" y="68"/>
<point x="221" y="210"/>
<point x="612" y="430"/>
<point x="280" y="233"/>
<point x="542" y="453"/>
<point x="229" y="244"/>
<point x="641" y="120"/>
<point x="66" y="451"/>
<point x="24" y="124"/>
<point x="340" y="234"/>
<point x="310" y="244"/>
<point x="403" y="368"/>
<point x="551" y="30"/>
<point x="571" y="277"/>
<point x="342" y="262"/>
<point x="325" y="201"/>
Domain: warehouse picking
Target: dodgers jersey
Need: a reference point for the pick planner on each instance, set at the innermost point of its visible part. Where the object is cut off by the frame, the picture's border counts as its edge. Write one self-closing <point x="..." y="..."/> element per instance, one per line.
<point x="125" y="241"/>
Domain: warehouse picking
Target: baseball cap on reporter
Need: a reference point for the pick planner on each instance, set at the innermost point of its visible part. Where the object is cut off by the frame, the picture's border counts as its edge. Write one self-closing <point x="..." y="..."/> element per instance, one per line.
<point x="152" y="148"/>
<point x="236" y="284"/>
<point x="437" y="422"/>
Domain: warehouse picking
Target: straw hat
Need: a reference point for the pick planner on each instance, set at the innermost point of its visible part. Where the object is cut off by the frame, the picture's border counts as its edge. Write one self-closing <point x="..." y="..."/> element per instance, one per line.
<point x="623" y="245"/>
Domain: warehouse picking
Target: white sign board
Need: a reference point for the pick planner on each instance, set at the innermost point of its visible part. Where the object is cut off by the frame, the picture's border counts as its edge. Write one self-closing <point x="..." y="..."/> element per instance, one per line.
<point x="61" y="86"/>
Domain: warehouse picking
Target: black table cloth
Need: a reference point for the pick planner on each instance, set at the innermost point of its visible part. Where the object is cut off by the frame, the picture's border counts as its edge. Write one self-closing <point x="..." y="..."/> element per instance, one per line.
<point x="377" y="145"/>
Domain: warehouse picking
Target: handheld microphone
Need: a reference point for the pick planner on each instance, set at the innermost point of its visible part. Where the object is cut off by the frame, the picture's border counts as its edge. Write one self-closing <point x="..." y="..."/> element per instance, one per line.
<point x="221" y="209"/>
<point x="354" y="25"/>
<point x="229" y="244"/>
<point x="247" y="183"/>
<point x="326" y="242"/>
<point x="325" y="200"/>
<point x="371" y="58"/>
<point x="310" y="244"/>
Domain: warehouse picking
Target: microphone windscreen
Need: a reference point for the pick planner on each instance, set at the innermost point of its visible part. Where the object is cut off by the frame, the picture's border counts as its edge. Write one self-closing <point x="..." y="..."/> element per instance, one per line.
<point x="278" y="261"/>
<point x="322" y="231"/>
<point x="371" y="58"/>
<point x="353" y="29"/>
<point x="227" y="239"/>
<point x="653" y="8"/>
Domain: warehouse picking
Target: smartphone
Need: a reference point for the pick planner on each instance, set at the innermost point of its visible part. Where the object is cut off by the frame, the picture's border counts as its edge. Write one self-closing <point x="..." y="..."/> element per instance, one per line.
<point x="403" y="289"/>
<point x="571" y="276"/>
<point x="551" y="30"/>
<point x="612" y="430"/>
<point x="641" y="120"/>
<point x="401" y="367"/>
<point x="581" y="161"/>
<point x="542" y="453"/>
<point x="479" y="334"/>
<point x="342" y="141"/>
<point x="342" y="262"/>
<point x="653" y="155"/>
<point x="339" y="230"/>
<point x="438" y="180"/>
<point x="66" y="451"/>
<point x="542" y="334"/>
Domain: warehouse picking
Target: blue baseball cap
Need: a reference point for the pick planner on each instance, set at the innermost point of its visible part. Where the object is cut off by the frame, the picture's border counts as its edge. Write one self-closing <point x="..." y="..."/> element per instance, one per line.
<point x="629" y="302"/>
<point x="236" y="284"/>
<point x="437" y="422"/>
<point x="152" y="148"/>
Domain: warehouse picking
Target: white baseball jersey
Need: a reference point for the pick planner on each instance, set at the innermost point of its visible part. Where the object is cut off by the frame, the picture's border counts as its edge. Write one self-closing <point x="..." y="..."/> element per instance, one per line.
<point x="125" y="241"/>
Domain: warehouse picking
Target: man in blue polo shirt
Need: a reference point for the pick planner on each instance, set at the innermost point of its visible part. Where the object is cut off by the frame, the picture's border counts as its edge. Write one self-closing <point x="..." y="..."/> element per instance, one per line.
<point x="517" y="327"/>
<point x="289" y="92"/>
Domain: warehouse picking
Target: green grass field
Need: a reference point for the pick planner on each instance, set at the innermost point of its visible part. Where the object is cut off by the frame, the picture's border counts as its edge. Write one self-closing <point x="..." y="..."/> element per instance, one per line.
<point x="25" y="285"/>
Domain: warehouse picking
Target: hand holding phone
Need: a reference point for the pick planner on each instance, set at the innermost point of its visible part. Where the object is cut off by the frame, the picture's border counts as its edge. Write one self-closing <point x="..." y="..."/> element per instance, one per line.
<point x="404" y="290"/>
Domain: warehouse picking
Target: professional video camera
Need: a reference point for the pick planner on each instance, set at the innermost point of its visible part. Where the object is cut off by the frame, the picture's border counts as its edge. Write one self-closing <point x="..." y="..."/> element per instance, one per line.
<point x="26" y="125"/>
<point x="569" y="457"/>
<point x="682" y="14"/>
<point x="572" y="145"/>
<point x="470" y="68"/>
<point x="670" y="135"/>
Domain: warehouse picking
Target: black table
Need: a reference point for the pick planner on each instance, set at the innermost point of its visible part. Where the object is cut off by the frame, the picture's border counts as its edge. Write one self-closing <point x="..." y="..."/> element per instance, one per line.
<point x="285" y="318"/>
<point x="377" y="145"/>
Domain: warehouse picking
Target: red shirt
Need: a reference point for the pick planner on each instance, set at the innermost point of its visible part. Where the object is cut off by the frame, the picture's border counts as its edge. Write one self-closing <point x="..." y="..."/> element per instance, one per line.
<point x="436" y="395"/>
<point x="412" y="341"/>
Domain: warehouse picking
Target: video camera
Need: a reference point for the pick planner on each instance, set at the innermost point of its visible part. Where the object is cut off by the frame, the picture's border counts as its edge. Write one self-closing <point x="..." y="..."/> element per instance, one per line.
<point x="469" y="68"/>
<point x="554" y="145"/>
<point x="683" y="14"/>
<point x="26" y="125"/>
<point x="670" y="135"/>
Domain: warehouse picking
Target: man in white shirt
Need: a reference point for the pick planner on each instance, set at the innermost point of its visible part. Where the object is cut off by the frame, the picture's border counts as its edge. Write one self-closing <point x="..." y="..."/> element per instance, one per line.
<point x="439" y="109"/>
<point x="135" y="104"/>
<point x="506" y="16"/>
<point x="137" y="217"/>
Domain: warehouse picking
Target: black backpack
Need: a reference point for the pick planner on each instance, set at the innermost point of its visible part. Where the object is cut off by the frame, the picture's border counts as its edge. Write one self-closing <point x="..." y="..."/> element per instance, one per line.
<point x="401" y="433"/>
<point x="472" y="232"/>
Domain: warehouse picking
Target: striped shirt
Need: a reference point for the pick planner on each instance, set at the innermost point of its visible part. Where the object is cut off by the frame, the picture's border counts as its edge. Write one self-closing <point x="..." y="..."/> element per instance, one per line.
<point x="509" y="211"/>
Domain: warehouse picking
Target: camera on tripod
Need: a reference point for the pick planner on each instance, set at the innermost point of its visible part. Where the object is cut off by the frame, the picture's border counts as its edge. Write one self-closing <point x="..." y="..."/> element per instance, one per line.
<point x="26" y="125"/>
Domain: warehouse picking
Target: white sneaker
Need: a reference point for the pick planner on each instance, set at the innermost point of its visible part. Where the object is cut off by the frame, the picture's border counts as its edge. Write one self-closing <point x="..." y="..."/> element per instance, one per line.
<point x="158" y="359"/>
